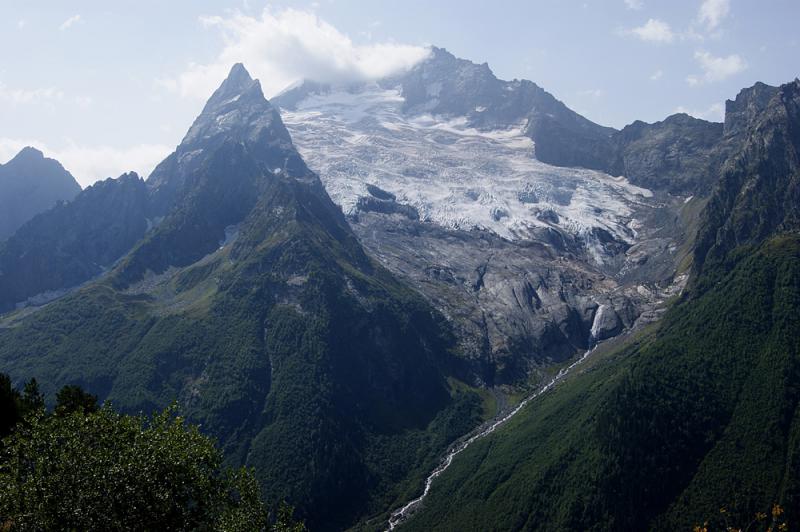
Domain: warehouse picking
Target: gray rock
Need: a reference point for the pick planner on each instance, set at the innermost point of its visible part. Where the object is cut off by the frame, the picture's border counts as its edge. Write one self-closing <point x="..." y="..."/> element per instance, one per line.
<point x="607" y="323"/>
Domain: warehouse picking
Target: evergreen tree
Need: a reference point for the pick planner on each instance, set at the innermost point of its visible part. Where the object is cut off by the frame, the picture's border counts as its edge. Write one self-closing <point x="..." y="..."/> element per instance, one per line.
<point x="73" y="398"/>
<point x="32" y="398"/>
<point x="9" y="405"/>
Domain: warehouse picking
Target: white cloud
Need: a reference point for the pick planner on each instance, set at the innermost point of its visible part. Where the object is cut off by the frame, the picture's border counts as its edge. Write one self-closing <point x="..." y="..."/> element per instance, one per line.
<point x="29" y="96"/>
<point x="92" y="163"/>
<point x="282" y="47"/>
<point x="42" y="96"/>
<point x="712" y="12"/>
<point x="21" y="24"/>
<point x="716" y="68"/>
<point x="84" y="102"/>
<point x="71" y="21"/>
<point x="593" y="94"/>
<point x="714" y="113"/>
<point x="657" y="75"/>
<point x="634" y="4"/>
<point x="654" y="30"/>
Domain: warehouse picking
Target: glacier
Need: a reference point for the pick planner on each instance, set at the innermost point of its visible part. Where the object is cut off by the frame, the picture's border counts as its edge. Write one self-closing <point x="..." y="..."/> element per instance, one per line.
<point x="454" y="175"/>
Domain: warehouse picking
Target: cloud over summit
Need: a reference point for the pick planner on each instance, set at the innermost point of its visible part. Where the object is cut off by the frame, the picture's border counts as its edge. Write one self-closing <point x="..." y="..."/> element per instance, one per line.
<point x="283" y="47"/>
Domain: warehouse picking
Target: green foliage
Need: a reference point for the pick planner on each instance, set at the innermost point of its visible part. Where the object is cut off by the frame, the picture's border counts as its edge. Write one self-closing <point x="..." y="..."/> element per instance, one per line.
<point x="703" y="415"/>
<point x="72" y="398"/>
<point x="106" y="471"/>
<point x="286" y="522"/>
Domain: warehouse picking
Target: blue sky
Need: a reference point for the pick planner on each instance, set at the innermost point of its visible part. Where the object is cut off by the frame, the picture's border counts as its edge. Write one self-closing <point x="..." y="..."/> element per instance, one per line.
<point x="107" y="87"/>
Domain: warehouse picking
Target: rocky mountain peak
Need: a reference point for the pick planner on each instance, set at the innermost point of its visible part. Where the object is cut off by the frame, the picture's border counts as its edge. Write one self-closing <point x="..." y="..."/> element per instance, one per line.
<point x="237" y="84"/>
<point x="759" y="187"/>
<point x="30" y="164"/>
<point x="440" y="58"/>
<point x="130" y="176"/>
<point x="747" y="105"/>
<point x="237" y="108"/>
<point x="445" y="84"/>
<point x="28" y="153"/>
<point x="441" y="54"/>
<point x="237" y="117"/>
<point x="31" y="183"/>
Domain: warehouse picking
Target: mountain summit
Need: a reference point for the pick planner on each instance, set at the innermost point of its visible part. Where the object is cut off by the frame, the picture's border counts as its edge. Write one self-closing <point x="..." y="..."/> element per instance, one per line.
<point x="31" y="183"/>
<point x="236" y="110"/>
<point x="236" y="114"/>
<point x="236" y="84"/>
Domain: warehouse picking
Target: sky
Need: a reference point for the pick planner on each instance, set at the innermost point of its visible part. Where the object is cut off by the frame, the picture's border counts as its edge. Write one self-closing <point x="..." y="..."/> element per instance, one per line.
<point x="109" y="87"/>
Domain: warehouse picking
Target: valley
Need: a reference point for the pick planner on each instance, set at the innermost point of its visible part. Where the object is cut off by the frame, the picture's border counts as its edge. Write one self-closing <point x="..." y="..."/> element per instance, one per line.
<point x="440" y="300"/>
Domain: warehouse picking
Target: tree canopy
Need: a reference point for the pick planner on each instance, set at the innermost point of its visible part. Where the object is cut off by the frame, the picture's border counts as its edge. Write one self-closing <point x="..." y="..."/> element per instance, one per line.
<point x="107" y="471"/>
<point x="85" y="467"/>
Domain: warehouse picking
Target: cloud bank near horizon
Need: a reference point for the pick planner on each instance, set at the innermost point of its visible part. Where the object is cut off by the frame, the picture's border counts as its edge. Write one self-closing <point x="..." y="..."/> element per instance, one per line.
<point x="89" y="164"/>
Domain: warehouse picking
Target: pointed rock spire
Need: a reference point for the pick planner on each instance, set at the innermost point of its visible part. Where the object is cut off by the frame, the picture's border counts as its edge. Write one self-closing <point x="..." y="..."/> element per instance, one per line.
<point x="239" y="115"/>
<point x="237" y="84"/>
<point x="237" y="109"/>
<point x="238" y="74"/>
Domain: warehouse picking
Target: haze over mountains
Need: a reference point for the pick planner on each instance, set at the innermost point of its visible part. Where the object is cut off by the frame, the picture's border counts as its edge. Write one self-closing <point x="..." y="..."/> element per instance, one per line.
<point x="340" y="283"/>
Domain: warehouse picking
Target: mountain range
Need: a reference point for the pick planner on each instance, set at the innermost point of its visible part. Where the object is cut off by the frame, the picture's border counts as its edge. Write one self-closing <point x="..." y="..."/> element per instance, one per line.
<point x="339" y="283"/>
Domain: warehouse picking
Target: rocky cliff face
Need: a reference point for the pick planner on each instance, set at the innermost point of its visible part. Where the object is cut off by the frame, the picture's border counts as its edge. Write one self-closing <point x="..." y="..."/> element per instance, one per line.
<point x="73" y="242"/>
<point x="516" y="307"/>
<point x="30" y="183"/>
<point x="759" y="187"/>
<point x="745" y="109"/>
<point x="676" y="155"/>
